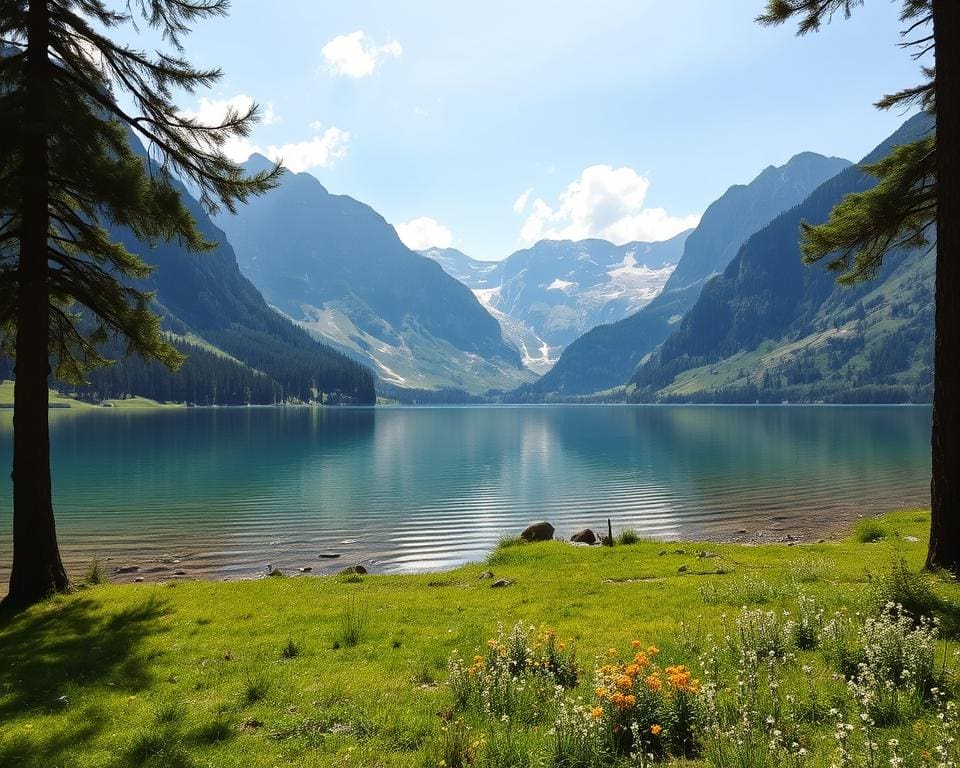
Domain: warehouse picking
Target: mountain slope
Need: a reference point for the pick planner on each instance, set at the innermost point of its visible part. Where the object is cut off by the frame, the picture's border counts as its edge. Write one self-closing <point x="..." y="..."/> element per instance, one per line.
<point x="240" y="350"/>
<point x="473" y="273"/>
<point x="770" y="327"/>
<point x="548" y="295"/>
<point x="606" y="356"/>
<point x="338" y="269"/>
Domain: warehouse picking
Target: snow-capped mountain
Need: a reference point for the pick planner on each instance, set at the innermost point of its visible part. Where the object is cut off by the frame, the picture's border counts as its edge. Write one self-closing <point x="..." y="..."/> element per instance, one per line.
<point x="548" y="295"/>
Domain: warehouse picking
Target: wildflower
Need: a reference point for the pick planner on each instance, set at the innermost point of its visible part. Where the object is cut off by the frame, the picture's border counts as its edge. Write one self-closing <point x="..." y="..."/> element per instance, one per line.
<point x="612" y="652"/>
<point x="653" y="682"/>
<point x="636" y="645"/>
<point x="656" y="729"/>
<point x="597" y="713"/>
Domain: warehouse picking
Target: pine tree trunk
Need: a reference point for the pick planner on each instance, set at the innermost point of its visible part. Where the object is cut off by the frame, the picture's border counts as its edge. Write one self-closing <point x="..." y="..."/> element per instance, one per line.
<point x="37" y="568"/>
<point x="944" y="550"/>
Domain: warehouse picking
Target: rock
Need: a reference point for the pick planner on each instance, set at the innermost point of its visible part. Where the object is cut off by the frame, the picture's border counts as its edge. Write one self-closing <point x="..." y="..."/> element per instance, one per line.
<point x="911" y="538"/>
<point x="138" y="579"/>
<point x="328" y="555"/>
<point x="679" y="551"/>
<point x="126" y="569"/>
<point x="683" y="569"/>
<point x="540" y="531"/>
<point x="741" y="531"/>
<point x="359" y="570"/>
<point x="586" y="536"/>
<point x="501" y="583"/>
<point x="63" y="700"/>
<point x="274" y="572"/>
<point x="486" y="575"/>
<point x="661" y="553"/>
<point x="179" y="573"/>
<point x="703" y="554"/>
<point x="305" y="569"/>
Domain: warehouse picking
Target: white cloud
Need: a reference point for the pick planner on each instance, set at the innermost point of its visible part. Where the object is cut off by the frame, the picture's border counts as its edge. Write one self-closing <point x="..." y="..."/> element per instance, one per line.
<point x="355" y="55"/>
<point x="521" y="202"/>
<point x="604" y="202"/>
<point x="320" y="151"/>
<point x="424" y="232"/>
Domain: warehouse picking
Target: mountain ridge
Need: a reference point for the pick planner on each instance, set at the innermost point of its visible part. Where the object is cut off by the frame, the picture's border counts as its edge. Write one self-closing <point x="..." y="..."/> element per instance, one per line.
<point x="606" y="356"/>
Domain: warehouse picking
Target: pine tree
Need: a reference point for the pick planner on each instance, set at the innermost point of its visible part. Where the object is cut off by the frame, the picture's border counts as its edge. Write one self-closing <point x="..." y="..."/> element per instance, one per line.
<point x="915" y="202"/>
<point x="67" y="173"/>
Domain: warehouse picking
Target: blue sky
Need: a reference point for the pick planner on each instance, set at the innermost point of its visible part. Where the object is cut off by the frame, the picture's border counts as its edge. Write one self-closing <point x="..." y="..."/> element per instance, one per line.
<point x="612" y="118"/>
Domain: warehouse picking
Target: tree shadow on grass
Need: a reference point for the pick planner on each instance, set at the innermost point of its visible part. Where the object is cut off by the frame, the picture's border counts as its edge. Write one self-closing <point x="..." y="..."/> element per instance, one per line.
<point x="74" y="644"/>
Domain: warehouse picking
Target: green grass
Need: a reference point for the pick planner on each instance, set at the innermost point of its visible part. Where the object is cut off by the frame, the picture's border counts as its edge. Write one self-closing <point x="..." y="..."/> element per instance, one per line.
<point x="62" y="401"/>
<point x="869" y="530"/>
<point x="196" y="674"/>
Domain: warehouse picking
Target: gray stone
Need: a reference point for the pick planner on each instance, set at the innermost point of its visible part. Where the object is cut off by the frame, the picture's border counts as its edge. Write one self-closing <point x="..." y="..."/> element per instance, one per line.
<point x="501" y="583"/>
<point x="328" y="555"/>
<point x="358" y="570"/>
<point x="126" y="569"/>
<point x="305" y="569"/>
<point x="539" y="531"/>
<point x="683" y="569"/>
<point x="586" y="536"/>
<point x="486" y="575"/>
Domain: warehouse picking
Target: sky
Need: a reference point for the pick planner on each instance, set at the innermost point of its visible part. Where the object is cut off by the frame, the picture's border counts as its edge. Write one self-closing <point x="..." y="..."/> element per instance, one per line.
<point x="486" y="126"/>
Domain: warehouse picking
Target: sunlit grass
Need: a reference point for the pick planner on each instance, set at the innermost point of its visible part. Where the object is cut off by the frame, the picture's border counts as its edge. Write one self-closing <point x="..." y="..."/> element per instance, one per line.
<point x="204" y="673"/>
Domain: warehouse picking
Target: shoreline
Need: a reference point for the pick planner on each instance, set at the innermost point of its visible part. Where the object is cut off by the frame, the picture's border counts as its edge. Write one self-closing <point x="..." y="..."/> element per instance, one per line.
<point x="191" y="565"/>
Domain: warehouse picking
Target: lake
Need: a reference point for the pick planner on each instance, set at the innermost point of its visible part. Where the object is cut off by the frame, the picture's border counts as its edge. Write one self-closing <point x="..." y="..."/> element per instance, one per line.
<point x="225" y="492"/>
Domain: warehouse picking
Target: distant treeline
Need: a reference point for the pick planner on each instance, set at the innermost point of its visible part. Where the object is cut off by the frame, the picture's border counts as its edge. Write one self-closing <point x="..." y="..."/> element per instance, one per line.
<point x="213" y="378"/>
<point x="435" y="396"/>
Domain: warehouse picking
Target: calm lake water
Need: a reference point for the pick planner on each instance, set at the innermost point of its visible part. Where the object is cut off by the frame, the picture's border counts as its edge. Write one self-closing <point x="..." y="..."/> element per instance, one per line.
<point x="228" y="491"/>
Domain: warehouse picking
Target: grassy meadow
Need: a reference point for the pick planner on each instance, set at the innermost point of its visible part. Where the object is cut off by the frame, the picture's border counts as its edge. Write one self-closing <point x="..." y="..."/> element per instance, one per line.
<point x="354" y="670"/>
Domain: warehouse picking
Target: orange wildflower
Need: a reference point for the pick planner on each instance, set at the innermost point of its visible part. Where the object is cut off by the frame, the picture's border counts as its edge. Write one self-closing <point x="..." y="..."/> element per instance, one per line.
<point x="597" y="713"/>
<point x="655" y="729"/>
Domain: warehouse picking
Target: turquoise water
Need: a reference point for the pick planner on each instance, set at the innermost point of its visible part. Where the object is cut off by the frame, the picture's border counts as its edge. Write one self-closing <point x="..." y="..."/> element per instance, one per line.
<point x="228" y="491"/>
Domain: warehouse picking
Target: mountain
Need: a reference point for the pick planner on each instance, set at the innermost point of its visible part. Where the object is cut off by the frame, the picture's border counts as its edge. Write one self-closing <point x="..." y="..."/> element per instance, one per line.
<point x="239" y="349"/>
<point x="548" y="295"/>
<point x="772" y="328"/>
<point x="606" y="356"/>
<point x="338" y="269"/>
<point x="473" y="273"/>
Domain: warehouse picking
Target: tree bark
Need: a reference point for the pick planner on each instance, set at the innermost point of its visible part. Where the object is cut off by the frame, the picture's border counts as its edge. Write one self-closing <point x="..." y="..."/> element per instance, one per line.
<point x="37" y="569"/>
<point x="944" y="549"/>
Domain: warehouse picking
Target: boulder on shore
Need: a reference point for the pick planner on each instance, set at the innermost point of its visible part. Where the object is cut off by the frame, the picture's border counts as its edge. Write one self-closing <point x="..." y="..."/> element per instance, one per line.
<point x="540" y="531"/>
<point x="586" y="536"/>
<point x="358" y="570"/>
